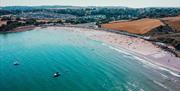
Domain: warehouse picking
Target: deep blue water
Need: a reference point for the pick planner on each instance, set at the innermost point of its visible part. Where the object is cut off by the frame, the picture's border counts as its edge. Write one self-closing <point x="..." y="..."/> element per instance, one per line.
<point x="84" y="64"/>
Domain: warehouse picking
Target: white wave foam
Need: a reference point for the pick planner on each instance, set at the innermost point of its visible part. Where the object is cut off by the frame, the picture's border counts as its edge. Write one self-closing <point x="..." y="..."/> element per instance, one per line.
<point x="160" y="84"/>
<point x="157" y="67"/>
<point x="164" y="75"/>
<point x="143" y="60"/>
<point x="116" y="49"/>
<point x="135" y="86"/>
<point x="172" y="73"/>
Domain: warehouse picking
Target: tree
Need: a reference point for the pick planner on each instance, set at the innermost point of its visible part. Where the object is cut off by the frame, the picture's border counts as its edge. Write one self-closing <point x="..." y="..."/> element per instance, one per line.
<point x="177" y="47"/>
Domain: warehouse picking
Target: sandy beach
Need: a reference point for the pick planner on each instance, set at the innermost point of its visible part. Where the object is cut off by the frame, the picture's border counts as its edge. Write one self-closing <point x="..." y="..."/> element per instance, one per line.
<point x="139" y="47"/>
<point x="136" y="46"/>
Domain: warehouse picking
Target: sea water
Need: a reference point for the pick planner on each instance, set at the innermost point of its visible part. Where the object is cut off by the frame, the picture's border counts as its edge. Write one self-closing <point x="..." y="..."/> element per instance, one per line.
<point x="84" y="65"/>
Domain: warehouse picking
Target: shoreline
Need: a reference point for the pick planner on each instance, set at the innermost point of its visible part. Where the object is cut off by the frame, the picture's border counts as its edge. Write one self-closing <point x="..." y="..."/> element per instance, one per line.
<point x="149" y="52"/>
<point x="146" y="61"/>
<point x="20" y="29"/>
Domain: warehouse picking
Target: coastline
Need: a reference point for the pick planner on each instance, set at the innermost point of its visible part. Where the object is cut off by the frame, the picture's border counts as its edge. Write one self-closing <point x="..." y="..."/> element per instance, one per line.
<point x="139" y="47"/>
<point x="149" y="52"/>
<point x="21" y="29"/>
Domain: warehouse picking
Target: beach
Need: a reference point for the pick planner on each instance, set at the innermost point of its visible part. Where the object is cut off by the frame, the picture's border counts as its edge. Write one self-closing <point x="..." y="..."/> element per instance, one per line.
<point x="102" y="59"/>
<point x="139" y="47"/>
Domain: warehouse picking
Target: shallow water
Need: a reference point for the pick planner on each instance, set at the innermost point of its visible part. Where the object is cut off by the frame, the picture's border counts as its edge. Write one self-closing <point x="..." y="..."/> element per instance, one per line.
<point x="84" y="64"/>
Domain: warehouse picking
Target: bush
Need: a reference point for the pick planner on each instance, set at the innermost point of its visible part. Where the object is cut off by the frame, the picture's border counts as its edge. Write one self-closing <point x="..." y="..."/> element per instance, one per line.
<point x="177" y="47"/>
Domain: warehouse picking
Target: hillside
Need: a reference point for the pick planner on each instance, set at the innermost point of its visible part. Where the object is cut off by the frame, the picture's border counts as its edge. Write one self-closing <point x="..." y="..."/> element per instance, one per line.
<point x="146" y="25"/>
<point x="2" y="22"/>
<point x="141" y="26"/>
<point x="165" y="30"/>
<point x="173" y="22"/>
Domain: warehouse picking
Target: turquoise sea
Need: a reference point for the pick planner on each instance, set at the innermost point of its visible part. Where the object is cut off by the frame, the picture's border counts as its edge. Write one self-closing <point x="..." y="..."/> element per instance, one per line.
<point x="84" y="65"/>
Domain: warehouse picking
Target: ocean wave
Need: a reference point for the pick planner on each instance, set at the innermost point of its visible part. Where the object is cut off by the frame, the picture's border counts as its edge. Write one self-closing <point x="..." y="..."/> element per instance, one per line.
<point x="134" y="86"/>
<point x="160" y="84"/>
<point x="157" y="67"/>
<point x="164" y="75"/>
<point x="121" y="51"/>
<point x="171" y="72"/>
<point x="143" y="60"/>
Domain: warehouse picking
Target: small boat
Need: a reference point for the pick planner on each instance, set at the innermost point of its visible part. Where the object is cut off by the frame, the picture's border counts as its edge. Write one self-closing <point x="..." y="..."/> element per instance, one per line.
<point x="16" y="63"/>
<point x="56" y="74"/>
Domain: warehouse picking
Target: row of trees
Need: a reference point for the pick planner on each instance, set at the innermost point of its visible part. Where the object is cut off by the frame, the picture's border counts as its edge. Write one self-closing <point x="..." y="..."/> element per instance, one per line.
<point x="117" y="13"/>
<point x="15" y="23"/>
